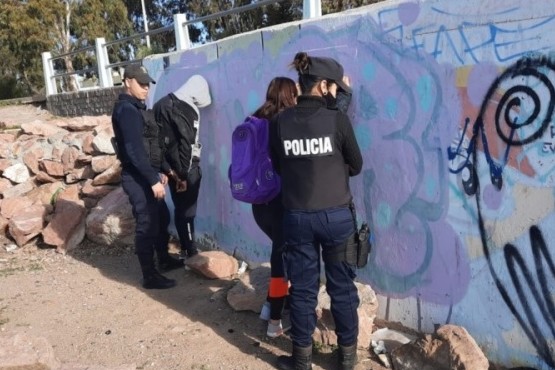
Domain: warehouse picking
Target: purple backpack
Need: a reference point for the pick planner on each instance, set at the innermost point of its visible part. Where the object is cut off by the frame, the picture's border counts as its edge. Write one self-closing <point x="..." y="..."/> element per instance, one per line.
<point x="251" y="174"/>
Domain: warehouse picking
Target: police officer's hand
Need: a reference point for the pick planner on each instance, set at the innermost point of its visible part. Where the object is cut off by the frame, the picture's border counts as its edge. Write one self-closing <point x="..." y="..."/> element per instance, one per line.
<point x="158" y="190"/>
<point x="163" y="179"/>
<point x="181" y="186"/>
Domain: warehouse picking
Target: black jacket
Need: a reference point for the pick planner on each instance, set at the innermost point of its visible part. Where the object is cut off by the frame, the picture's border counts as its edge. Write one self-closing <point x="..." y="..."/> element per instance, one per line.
<point x="314" y="149"/>
<point x="128" y="125"/>
<point x="180" y="124"/>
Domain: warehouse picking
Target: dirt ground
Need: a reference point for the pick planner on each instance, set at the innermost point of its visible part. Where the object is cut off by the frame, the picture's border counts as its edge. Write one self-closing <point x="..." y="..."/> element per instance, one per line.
<point x="89" y="305"/>
<point x="91" y="308"/>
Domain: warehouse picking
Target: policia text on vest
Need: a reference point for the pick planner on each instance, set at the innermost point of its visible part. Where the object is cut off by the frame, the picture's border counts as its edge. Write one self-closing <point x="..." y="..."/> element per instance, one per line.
<point x="308" y="147"/>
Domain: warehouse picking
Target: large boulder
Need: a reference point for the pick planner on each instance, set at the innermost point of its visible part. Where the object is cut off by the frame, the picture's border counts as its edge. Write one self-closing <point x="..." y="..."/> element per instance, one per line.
<point x="250" y="291"/>
<point x="449" y="348"/>
<point x="213" y="264"/>
<point x="367" y="310"/>
<point x="111" y="222"/>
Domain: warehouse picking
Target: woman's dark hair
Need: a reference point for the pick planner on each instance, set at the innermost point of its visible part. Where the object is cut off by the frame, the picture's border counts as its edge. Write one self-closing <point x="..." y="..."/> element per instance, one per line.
<point x="306" y="81"/>
<point x="281" y="94"/>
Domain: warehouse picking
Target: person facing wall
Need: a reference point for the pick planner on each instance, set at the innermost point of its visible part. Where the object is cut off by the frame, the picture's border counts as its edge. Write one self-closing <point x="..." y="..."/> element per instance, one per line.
<point x="281" y="93"/>
<point x="179" y="115"/>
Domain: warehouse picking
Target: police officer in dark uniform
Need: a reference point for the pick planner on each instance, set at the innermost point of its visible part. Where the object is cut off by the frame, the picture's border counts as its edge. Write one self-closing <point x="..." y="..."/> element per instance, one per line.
<point x="315" y="151"/>
<point x="141" y="179"/>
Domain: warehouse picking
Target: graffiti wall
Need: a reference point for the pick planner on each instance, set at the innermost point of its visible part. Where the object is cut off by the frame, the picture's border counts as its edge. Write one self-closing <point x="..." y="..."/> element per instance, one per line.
<point x="453" y="109"/>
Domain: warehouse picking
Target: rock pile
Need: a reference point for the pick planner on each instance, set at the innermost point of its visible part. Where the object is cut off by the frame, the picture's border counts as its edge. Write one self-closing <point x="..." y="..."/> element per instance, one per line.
<point x="55" y="175"/>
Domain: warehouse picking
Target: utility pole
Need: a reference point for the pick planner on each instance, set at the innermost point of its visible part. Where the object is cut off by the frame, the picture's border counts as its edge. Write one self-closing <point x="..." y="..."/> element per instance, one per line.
<point x="145" y="22"/>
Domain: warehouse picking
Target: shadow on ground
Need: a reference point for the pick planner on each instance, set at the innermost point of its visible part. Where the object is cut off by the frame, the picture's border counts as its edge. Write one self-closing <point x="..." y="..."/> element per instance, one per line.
<point x="201" y="300"/>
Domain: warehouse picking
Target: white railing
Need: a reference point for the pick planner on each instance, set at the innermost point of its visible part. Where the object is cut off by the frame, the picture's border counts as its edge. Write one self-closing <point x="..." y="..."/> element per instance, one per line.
<point x="104" y="69"/>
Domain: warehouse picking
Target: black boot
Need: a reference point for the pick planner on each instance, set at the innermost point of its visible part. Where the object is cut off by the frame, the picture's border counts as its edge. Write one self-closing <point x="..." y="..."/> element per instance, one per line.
<point x="169" y="263"/>
<point x="300" y="360"/>
<point x="155" y="280"/>
<point x="347" y="357"/>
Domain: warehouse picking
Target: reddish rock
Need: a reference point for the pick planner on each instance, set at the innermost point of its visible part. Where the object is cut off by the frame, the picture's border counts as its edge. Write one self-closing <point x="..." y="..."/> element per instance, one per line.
<point x="18" y="190"/>
<point x="32" y="157"/>
<point x="7" y="138"/>
<point x="3" y="226"/>
<point x="111" y="176"/>
<point x="5" y="163"/>
<point x="57" y="151"/>
<point x="78" y="174"/>
<point x="99" y="191"/>
<point x="67" y="226"/>
<point x="43" y="177"/>
<point x="213" y="264"/>
<point x="45" y="194"/>
<point x="5" y="184"/>
<point x="52" y="168"/>
<point x="85" y="123"/>
<point x="84" y="159"/>
<point x="27" y="223"/>
<point x="69" y="157"/>
<point x="102" y="162"/>
<point x="11" y="206"/>
<point x="87" y="144"/>
<point x="5" y="150"/>
<point x="450" y="348"/>
<point x="41" y="128"/>
<point x="102" y="141"/>
<point x="23" y="351"/>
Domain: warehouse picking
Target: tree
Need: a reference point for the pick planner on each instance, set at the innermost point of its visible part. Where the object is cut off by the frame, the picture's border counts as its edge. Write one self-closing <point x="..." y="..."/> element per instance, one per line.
<point x="334" y="6"/>
<point x="28" y="28"/>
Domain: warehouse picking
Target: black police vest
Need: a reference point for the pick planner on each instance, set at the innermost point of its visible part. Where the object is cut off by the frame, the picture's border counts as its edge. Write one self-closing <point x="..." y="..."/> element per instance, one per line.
<point x="313" y="170"/>
<point x="153" y="139"/>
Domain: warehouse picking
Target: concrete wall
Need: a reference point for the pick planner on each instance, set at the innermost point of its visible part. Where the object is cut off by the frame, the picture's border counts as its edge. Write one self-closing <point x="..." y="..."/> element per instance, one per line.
<point x="453" y="107"/>
<point x="94" y="102"/>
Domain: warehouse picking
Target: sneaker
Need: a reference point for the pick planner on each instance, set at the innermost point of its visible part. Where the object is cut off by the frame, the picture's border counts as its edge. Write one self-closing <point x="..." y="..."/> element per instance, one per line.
<point x="265" y="311"/>
<point x="170" y="263"/>
<point x="157" y="281"/>
<point x="275" y="330"/>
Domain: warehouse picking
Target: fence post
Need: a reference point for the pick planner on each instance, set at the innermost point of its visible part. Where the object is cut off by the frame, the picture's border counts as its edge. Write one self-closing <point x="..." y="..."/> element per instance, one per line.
<point x="104" y="73"/>
<point x="312" y="9"/>
<point x="182" y="40"/>
<point x="48" y="71"/>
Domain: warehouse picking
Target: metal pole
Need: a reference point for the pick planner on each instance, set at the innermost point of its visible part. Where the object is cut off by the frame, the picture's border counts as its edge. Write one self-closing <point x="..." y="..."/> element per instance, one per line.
<point x="145" y="22"/>
<point x="102" y="61"/>
<point x="49" y="82"/>
<point x="312" y="9"/>
<point x="182" y="40"/>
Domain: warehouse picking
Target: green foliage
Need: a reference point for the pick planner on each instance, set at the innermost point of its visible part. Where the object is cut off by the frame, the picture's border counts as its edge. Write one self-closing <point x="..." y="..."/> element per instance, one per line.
<point x="143" y="50"/>
<point x="334" y="6"/>
<point x="11" y="88"/>
<point x="29" y="28"/>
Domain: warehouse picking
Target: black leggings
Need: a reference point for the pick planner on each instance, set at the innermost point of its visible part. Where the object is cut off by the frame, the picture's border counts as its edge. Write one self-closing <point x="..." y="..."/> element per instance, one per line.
<point x="269" y="217"/>
<point x="185" y="204"/>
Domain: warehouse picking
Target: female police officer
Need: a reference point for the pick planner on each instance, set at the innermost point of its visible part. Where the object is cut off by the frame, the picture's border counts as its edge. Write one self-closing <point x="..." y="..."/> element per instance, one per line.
<point x="315" y="151"/>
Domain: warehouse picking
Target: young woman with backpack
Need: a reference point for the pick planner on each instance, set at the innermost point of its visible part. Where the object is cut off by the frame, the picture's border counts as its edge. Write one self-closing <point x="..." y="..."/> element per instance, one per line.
<point x="281" y="93"/>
